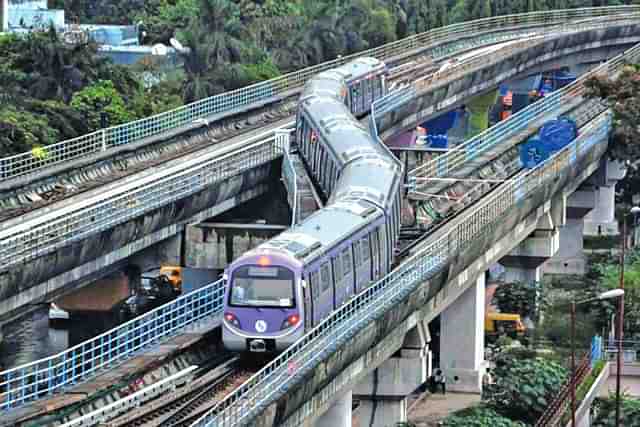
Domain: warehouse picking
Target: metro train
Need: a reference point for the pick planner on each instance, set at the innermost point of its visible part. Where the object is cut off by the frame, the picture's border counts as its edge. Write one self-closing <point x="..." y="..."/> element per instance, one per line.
<point x="320" y="118"/>
<point x="292" y="282"/>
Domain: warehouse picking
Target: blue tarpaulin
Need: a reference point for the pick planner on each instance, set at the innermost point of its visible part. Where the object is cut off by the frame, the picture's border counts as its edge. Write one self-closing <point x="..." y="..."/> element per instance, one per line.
<point x="556" y="134"/>
<point x="441" y="124"/>
<point x="533" y="152"/>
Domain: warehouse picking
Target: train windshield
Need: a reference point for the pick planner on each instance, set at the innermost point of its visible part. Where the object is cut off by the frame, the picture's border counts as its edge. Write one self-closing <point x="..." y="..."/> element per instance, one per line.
<point x="255" y="286"/>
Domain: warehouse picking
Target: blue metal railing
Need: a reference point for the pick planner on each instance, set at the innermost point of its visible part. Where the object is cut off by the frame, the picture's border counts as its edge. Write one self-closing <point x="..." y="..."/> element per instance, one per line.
<point x="274" y="380"/>
<point x="28" y="382"/>
<point x="262" y="389"/>
<point x="272" y="90"/>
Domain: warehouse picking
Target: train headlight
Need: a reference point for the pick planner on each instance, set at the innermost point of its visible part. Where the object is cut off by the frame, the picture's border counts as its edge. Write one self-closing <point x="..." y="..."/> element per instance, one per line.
<point x="290" y="321"/>
<point x="231" y="318"/>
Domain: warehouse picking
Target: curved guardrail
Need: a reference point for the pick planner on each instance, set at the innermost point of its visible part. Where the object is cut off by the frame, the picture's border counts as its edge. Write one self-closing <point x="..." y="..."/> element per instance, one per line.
<point x="452" y="160"/>
<point x="33" y="237"/>
<point x="272" y="381"/>
<point x="272" y="90"/>
<point x="53" y="374"/>
<point x="18" y="384"/>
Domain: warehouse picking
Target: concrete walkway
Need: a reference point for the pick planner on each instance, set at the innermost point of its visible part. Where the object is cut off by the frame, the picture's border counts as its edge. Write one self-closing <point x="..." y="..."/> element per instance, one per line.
<point x="630" y="385"/>
<point x="428" y="409"/>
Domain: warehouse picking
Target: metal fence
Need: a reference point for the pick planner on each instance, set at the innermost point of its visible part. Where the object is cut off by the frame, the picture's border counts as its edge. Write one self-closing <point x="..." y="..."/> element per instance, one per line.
<point x="271" y="90"/>
<point x="53" y="374"/>
<point x="277" y="377"/>
<point x="552" y="106"/>
<point x="630" y="351"/>
<point x="33" y="237"/>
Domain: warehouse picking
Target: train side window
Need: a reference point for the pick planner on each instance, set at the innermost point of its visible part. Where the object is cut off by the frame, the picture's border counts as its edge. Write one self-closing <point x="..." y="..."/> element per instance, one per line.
<point x="337" y="268"/>
<point x="364" y="245"/>
<point x="325" y="277"/>
<point x="346" y="261"/>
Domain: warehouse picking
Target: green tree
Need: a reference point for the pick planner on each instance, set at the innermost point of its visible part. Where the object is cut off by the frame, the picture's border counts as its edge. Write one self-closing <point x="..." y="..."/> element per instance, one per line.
<point x="622" y="95"/>
<point x="524" y="386"/>
<point x="526" y="299"/>
<point x="479" y="416"/>
<point x="101" y="97"/>
<point x="606" y="409"/>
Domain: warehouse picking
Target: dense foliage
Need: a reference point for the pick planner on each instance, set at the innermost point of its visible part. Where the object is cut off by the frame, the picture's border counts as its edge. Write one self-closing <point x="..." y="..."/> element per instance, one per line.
<point x="479" y="416"/>
<point x="524" y="385"/>
<point x="50" y="91"/>
<point x="606" y="410"/>
<point x="622" y="95"/>
<point x="232" y="43"/>
<point x="609" y="278"/>
<point x="524" y="299"/>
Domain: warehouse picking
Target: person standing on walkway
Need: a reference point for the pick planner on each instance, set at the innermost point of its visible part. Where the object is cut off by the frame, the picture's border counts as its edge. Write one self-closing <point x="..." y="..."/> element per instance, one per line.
<point x="440" y="380"/>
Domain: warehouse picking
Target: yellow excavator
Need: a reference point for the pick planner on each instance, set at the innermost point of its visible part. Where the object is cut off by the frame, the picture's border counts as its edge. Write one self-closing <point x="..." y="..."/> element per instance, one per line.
<point x="497" y="324"/>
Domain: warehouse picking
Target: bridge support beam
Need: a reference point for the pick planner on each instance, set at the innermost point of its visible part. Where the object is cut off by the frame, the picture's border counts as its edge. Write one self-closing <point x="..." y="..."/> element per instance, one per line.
<point x="523" y="263"/>
<point x="383" y="393"/>
<point x="601" y="220"/>
<point x="570" y="256"/>
<point x="339" y="414"/>
<point x="462" y="340"/>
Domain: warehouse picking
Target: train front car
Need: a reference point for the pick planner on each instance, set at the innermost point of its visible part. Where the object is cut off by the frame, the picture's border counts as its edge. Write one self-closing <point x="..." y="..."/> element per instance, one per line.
<point x="263" y="309"/>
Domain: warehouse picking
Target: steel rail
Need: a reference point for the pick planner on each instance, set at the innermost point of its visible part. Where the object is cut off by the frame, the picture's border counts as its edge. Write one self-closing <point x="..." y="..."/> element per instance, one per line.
<point x="277" y="377"/>
<point x="28" y="385"/>
<point x="272" y="90"/>
<point x="45" y="230"/>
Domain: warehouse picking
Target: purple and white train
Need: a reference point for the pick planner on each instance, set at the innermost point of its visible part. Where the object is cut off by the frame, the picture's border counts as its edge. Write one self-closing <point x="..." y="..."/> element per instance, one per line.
<point x="291" y="283"/>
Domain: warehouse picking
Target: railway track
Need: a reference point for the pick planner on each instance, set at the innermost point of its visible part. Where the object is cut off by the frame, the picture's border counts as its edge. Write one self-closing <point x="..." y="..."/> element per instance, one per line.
<point x="56" y="189"/>
<point x="189" y="401"/>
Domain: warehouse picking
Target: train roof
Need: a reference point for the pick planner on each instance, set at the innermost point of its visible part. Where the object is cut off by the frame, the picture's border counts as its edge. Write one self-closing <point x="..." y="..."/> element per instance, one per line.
<point x="360" y="67"/>
<point x="322" y="230"/>
<point x="328" y="83"/>
<point x="356" y="181"/>
<point x="345" y="136"/>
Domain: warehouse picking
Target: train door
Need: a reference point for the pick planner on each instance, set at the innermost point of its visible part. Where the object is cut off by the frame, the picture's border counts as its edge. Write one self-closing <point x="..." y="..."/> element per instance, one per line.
<point x="358" y="99"/>
<point x="324" y="170"/>
<point x="366" y="93"/>
<point x="306" y="141"/>
<point x="347" y="270"/>
<point x="326" y="289"/>
<point x="314" y="285"/>
<point x="308" y="302"/>
<point x="364" y="270"/>
<point x="375" y="255"/>
<point x="384" y="260"/>
<point x="338" y="280"/>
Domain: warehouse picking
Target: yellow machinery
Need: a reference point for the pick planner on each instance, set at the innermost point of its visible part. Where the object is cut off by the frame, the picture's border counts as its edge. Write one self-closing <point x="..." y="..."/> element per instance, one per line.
<point x="174" y="275"/>
<point x="496" y="324"/>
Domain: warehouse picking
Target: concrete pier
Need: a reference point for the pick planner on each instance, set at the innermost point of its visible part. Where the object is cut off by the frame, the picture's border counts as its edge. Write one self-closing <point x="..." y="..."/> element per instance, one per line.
<point x="601" y="220"/>
<point x="462" y="340"/>
<point x="339" y="414"/>
<point x="383" y="393"/>
<point x="523" y="263"/>
<point x="570" y="256"/>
